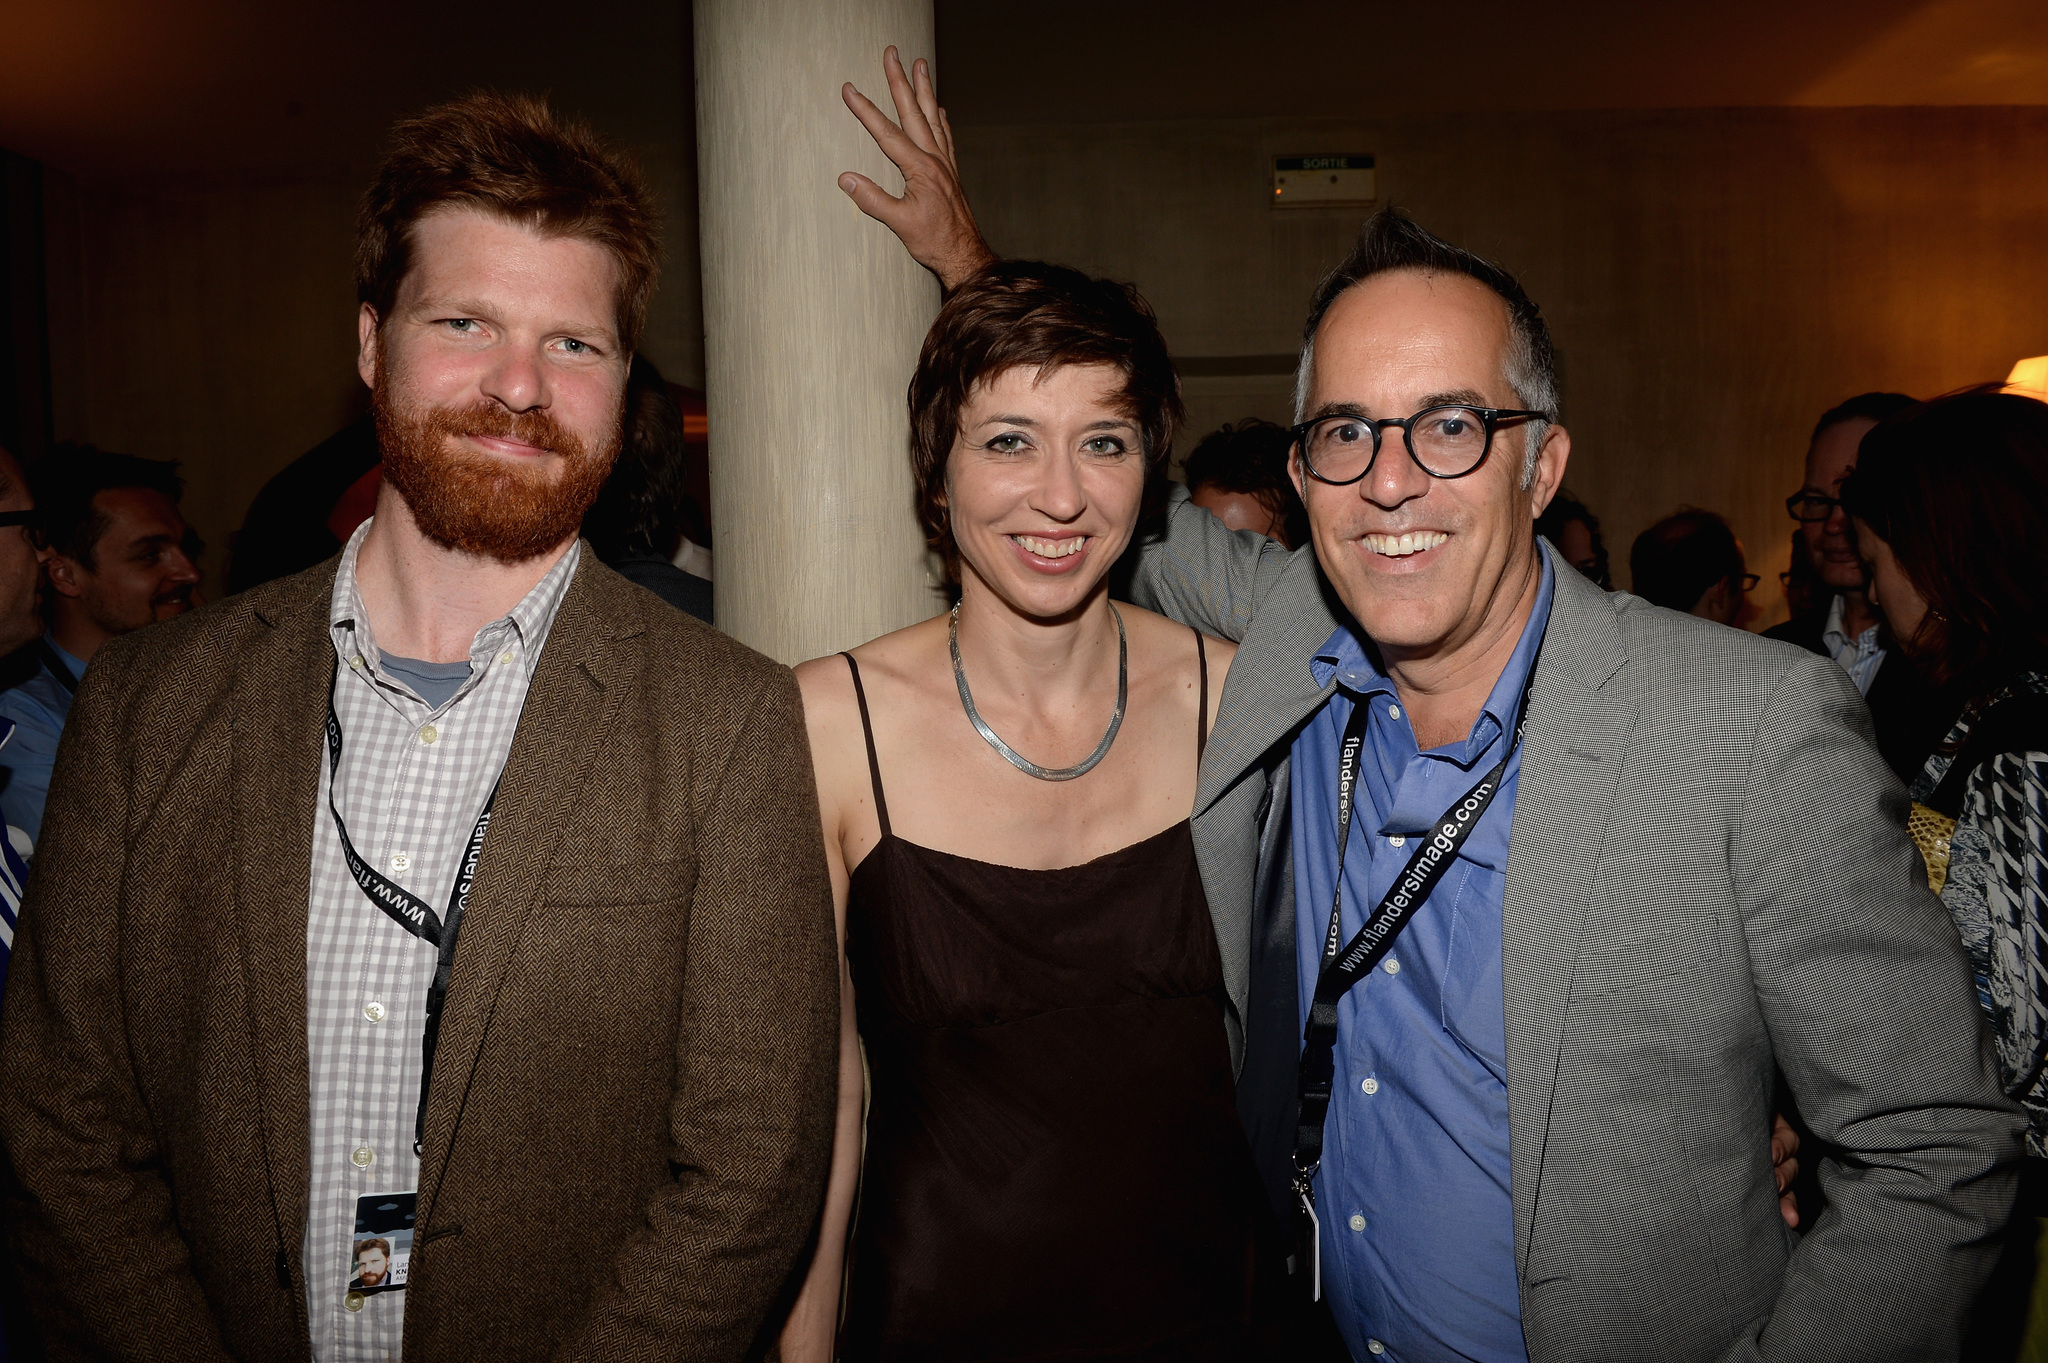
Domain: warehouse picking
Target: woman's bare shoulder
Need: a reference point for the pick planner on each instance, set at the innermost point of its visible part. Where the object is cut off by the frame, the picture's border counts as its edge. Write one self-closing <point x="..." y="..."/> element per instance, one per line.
<point x="889" y="658"/>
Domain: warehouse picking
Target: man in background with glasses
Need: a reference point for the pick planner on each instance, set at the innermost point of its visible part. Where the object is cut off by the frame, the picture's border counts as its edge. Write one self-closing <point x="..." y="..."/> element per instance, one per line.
<point x="1691" y="561"/>
<point x="1846" y="625"/>
<point x="1507" y="1047"/>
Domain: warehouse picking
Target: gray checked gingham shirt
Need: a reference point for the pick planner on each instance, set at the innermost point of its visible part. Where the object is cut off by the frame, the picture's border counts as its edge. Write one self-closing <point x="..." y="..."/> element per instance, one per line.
<point x="413" y="780"/>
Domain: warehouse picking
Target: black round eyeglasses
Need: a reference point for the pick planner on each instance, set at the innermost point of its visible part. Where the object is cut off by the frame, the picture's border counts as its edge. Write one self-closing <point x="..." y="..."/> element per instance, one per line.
<point x="1447" y="441"/>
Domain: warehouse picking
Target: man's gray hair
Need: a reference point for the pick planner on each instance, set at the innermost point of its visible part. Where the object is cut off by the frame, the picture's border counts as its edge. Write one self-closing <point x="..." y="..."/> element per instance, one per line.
<point x="1391" y="240"/>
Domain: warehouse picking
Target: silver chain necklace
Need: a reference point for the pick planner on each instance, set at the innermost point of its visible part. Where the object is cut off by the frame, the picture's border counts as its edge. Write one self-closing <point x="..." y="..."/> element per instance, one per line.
<point x="1010" y="754"/>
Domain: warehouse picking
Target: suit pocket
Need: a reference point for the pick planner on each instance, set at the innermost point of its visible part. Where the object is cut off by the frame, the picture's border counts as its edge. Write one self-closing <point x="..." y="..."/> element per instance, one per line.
<point x="1643" y="942"/>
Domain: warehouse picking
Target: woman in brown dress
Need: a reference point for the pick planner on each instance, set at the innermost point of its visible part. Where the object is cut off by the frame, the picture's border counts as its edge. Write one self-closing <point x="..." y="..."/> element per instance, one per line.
<point x="1053" y="1167"/>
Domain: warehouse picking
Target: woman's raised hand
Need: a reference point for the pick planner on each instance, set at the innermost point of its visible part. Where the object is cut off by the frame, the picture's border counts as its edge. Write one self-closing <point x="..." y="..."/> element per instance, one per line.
<point x="932" y="219"/>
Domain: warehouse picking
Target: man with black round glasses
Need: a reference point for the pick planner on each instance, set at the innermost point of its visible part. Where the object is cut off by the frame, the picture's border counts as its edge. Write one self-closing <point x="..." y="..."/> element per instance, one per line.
<point x="1541" y="887"/>
<point x="1528" y="892"/>
<point x="1846" y="625"/>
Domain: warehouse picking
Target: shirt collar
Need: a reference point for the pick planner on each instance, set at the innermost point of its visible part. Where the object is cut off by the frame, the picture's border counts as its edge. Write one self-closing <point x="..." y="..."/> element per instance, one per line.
<point x="1835" y="632"/>
<point x="531" y="619"/>
<point x="1345" y="656"/>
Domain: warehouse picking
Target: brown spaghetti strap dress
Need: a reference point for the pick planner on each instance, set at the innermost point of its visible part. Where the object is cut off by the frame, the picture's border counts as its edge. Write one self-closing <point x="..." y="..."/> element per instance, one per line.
<point x="1054" y="1164"/>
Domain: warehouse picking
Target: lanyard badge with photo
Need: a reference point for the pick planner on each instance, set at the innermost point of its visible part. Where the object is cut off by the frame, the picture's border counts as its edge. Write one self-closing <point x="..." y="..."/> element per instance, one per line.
<point x="1346" y="963"/>
<point x="381" y="1249"/>
<point x="382" y="1245"/>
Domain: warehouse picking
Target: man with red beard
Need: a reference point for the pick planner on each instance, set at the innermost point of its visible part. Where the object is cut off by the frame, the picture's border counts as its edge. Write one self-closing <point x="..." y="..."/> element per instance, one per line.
<point x="455" y="885"/>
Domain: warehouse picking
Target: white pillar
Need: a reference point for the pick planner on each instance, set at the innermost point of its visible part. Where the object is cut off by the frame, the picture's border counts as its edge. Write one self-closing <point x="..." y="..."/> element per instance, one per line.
<point x="813" y="315"/>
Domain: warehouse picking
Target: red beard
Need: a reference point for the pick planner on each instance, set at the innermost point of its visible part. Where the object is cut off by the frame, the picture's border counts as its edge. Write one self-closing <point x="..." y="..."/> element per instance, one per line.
<point x="476" y="504"/>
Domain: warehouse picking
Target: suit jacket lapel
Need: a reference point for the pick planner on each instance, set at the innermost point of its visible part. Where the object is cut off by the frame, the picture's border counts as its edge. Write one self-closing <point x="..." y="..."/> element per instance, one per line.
<point x="1269" y="691"/>
<point x="577" y="689"/>
<point x="1271" y="687"/>
<point x="1572" y="753"/>
<point x="281" y="680"/>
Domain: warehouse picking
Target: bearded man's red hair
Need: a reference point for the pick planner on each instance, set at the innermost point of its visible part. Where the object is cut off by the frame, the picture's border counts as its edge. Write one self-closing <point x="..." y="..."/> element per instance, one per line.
<point x="511" y="157"/>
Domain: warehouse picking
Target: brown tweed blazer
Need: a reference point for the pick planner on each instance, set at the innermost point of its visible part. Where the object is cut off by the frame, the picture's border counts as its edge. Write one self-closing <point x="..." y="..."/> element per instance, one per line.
<point x="631" y="1109"/>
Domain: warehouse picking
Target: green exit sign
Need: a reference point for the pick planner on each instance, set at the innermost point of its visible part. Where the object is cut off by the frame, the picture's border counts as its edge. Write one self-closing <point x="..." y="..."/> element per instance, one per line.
<point x="1324" y="180"/>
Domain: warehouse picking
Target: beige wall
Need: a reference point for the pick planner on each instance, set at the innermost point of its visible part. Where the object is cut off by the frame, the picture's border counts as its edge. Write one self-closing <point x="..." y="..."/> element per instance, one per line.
<point x="214" y="323"/>
<point x="1714" y="278"/>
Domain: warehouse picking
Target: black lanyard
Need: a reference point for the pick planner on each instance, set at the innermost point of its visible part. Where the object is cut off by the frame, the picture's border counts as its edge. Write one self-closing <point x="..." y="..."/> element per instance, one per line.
<point x="407" y="909"/>
<point x="1343" y="966"/>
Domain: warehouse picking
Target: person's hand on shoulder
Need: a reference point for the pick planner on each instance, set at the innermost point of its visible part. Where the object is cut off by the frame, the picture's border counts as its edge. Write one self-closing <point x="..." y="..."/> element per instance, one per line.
<point x="932" y="219"/>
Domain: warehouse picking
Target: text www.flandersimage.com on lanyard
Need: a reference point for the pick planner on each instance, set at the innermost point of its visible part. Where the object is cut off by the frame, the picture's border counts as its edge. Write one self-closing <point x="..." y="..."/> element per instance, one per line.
<point x="1446" y="840"/>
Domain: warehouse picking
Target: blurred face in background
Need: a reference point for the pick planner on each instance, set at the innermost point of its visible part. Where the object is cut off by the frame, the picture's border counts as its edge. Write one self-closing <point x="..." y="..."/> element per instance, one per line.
<point x="1242" y="511"/>
<point x="1727" y="601"/>
<point x="1829" y="544"/>
<point x="1044" y="485"/>
<point x="1891" y="591"/>
<point x="138" y="572"/>
<point x="20" y="565"/>
<point x="1575" y="542"/>
<point x="1423" y="563"/>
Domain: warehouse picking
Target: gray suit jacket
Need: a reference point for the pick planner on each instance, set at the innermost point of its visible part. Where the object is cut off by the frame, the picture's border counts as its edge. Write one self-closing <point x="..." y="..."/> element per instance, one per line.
<point x="1708" y="880"/>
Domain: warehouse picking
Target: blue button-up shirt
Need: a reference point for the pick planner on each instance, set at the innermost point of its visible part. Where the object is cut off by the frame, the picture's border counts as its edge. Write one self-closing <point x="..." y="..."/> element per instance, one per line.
<point x="38" y="708"/>
<point x="1418" y="1228"/>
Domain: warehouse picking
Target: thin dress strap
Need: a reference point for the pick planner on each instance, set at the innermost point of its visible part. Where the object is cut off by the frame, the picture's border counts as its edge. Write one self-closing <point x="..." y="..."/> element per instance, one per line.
<point x="1202" y="714"/>
<point x="868" y="731"/>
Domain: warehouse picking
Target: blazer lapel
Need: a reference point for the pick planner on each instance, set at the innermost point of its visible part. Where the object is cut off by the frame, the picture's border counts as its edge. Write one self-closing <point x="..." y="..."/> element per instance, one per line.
<point x="577" y="688"/>
<point x="281" y="679"/>
<point x="1270" y="688"/>
<point x="1572" y="754"/>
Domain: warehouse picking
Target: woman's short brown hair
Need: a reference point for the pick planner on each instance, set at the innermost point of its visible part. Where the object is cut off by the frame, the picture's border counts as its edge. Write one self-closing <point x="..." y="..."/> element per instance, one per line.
<point x="1025" y="312"/>
<point x="508" y="155"/>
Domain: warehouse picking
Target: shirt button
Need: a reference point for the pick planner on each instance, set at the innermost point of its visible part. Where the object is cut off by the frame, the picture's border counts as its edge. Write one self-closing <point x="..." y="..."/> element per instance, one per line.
<point x="429" y="733"/>
<point x="1396" y="840"/>
<point x="374" y="1011"/>
<point x="1357" y="1221"/>
<point x="401" y="862"/>
<point x="505" y="657"/>
<point x="1393" y="967"/>
<point x="1393" y="712"/>
<point x="1374" y="1346"/>
<point x="361" y="1156"/>
<point x="356" y="663"/>
<point x="353" y="1301"/>
<point x="1369" y="1085"/>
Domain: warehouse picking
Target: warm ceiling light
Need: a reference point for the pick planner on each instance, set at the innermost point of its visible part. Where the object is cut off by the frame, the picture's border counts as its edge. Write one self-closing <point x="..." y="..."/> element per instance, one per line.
<point x="2030" y="377"/>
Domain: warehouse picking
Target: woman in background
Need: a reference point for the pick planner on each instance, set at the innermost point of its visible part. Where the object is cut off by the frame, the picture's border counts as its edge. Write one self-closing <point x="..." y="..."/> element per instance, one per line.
<point x="1950" y="505"/>
<point x="1054" y="1166"/>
